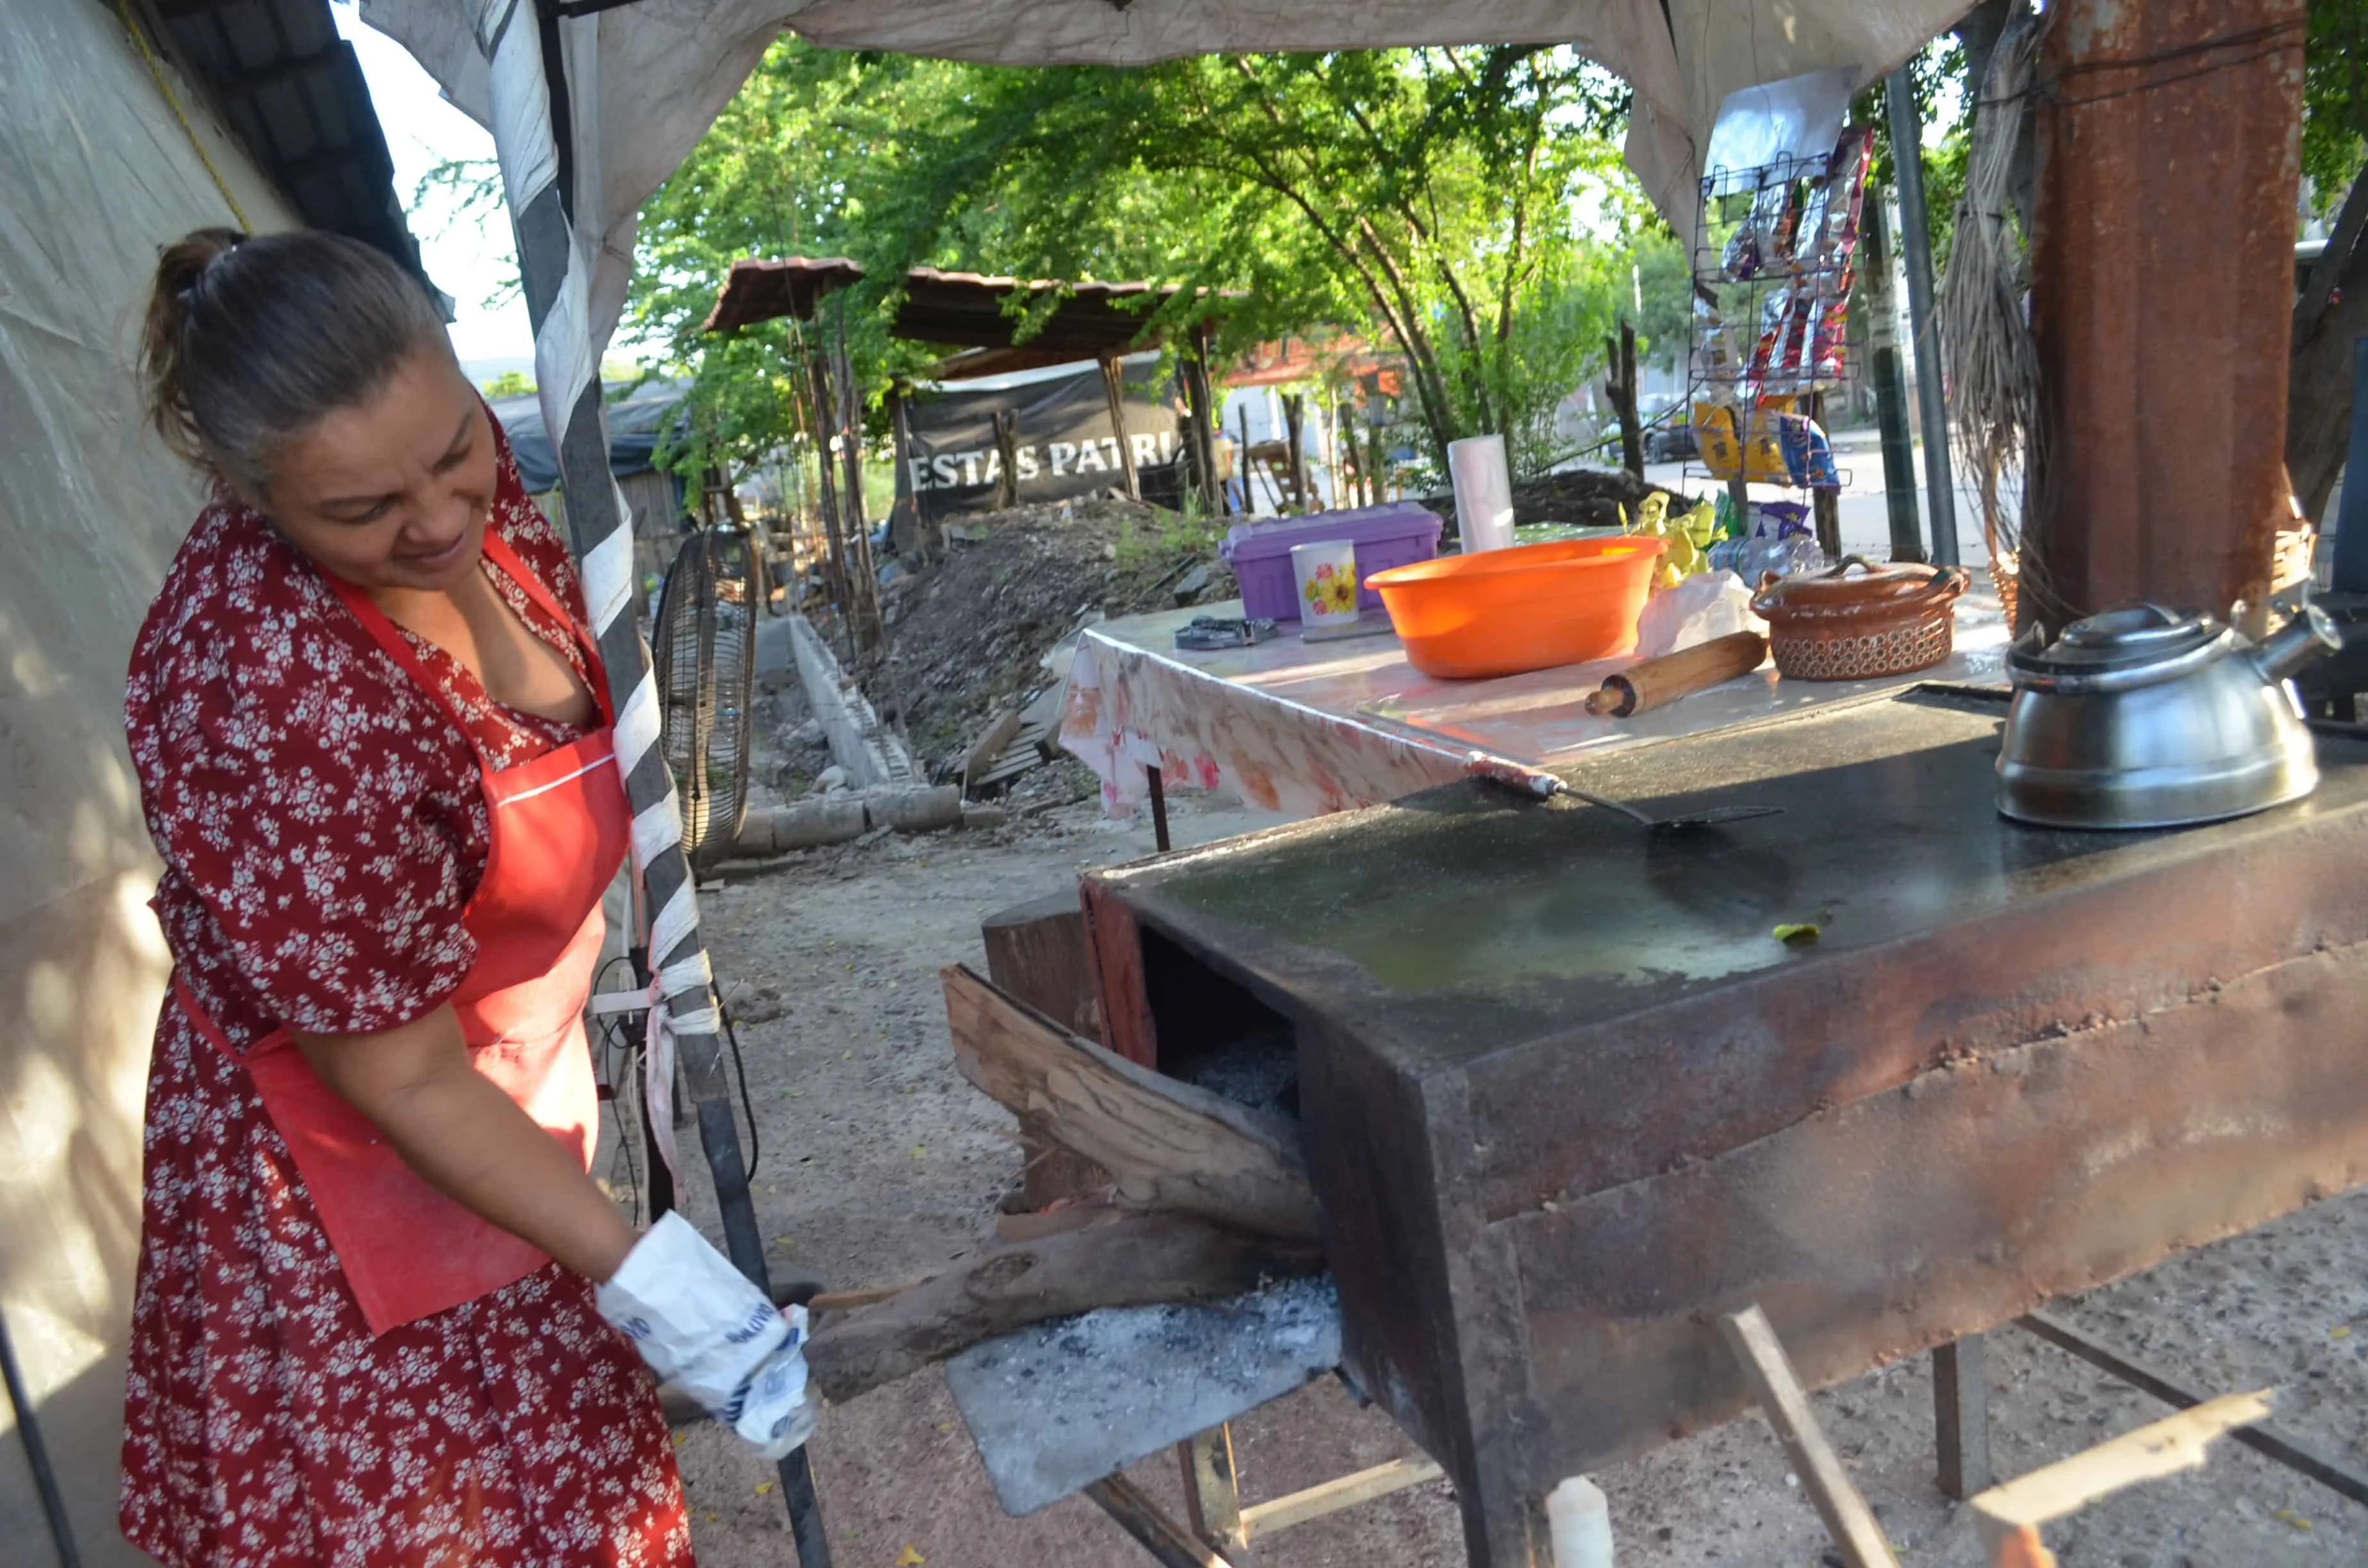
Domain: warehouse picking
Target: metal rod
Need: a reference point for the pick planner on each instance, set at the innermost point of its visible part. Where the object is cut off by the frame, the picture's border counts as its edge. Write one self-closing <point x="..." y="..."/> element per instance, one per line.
<point x="1158" y="810"/>
<point x="37" y="1455"/>
<point x="2351" y="568"/>
<point x="2265" y="1438"/>
<point x="1890" y="387"/>
<point x="806" y="1526"/>
<point x="1961" y="1413"/>
<point x="1907" y="158"/>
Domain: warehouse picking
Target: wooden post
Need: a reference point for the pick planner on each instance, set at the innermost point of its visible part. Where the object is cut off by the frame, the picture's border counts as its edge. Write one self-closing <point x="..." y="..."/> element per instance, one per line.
<point x="1350" y="482"/>
<point x="850" y="429"/>
<point x="1007" y="447"/>
<point x="834" y="537"/>
<point x="1620" y="384"/>
<point x="2162" y="447"/>
<point x="1201" y="400"/>
<point x="1824" y="504"/>
<point x="1769" y="1371"/>
<point x="1113" y="388"/>
<point x="1294" y="420"/>
<point x="905" y="519"/>
<point x="1249" y="471"/>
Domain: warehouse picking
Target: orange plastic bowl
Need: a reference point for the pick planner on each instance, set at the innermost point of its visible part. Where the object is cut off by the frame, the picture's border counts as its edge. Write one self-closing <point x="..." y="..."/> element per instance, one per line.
<point x="1503" y="611"/>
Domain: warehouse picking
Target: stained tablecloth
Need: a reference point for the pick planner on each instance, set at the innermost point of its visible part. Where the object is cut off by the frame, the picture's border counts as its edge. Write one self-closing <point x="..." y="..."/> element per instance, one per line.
<point x="1305" y="728"/>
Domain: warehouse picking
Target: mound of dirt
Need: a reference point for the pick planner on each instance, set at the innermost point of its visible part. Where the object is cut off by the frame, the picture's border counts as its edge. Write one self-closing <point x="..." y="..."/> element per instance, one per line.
<point x="967" y="633"/>
<point x="1590" y="497"/>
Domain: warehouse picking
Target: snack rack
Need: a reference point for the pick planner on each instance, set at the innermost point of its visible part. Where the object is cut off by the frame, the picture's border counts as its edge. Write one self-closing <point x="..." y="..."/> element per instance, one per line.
<point x="1774" y="264"/>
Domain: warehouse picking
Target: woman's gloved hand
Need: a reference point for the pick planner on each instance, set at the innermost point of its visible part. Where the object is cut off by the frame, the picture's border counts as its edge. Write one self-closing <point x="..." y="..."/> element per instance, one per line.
<point x="698" y="1323"/>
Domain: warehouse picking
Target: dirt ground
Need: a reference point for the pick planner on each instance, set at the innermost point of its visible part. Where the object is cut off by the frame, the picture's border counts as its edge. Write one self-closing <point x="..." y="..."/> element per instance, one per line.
<point x="879" y="1164"/>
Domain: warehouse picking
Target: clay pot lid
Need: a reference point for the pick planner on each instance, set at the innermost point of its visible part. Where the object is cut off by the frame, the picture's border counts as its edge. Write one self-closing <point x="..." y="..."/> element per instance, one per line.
<point x="1874" y="590"/>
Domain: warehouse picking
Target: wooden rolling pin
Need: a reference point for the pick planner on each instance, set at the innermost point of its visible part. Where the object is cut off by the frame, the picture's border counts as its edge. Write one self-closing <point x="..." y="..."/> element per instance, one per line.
<point x="1642" y="688"/>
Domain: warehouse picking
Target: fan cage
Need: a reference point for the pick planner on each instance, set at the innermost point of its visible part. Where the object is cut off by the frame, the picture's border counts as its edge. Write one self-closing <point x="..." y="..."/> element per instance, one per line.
<point x="705" y="652"/>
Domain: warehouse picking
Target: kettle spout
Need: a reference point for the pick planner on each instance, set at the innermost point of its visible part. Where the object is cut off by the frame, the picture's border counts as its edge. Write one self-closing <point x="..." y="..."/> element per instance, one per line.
<point x="2310" y="635"/>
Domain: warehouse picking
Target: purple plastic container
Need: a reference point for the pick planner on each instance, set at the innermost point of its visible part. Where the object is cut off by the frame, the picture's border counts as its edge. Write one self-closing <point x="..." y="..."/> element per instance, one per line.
<point x="1396" y="535"/>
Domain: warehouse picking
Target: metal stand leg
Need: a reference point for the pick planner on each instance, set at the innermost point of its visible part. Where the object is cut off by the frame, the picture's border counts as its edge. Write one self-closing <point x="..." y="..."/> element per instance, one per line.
<point x="1213" y="1501"/>
<point x="2263" y="1438"/>
<point x="1158" y="810"/>
<point x="806" y="1526"/>
<point x="1961" y="1413"/>
<point x="1154" y="1532"/>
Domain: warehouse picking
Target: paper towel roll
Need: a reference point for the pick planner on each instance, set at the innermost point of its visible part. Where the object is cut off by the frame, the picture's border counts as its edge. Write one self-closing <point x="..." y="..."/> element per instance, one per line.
<point x="1484" y="492"/>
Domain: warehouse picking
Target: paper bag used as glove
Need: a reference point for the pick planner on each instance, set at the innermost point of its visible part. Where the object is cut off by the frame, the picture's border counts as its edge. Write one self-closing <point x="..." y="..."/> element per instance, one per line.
<point x="698" y="1323"/>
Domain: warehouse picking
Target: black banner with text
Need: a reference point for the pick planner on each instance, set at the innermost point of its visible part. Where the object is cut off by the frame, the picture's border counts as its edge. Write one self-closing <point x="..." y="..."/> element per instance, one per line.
<point x="1066" y="446"/>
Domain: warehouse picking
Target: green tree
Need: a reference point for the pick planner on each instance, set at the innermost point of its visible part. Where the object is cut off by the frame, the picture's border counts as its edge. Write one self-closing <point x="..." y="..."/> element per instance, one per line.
<point x="1660" y="299"/>
<point x="1424" y="197"/>
<point x="2335" y="98"/>
<point x="509" y="384"/>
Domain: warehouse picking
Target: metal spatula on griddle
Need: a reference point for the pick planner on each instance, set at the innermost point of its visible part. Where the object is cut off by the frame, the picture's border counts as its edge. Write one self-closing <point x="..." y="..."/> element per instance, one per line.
<point x="1538" y="784"/>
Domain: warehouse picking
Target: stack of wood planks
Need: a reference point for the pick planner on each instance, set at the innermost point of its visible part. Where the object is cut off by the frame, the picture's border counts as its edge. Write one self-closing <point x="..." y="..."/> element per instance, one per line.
<point x="1205" y="1199"/>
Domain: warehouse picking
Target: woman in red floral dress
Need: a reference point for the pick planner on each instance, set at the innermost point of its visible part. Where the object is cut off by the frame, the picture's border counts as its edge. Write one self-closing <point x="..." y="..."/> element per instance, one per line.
<point x="365" y="1328"/>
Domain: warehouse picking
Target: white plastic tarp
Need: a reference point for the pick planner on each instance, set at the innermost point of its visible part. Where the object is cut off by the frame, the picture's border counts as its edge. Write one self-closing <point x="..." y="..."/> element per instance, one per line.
<point x="654" y="74"/>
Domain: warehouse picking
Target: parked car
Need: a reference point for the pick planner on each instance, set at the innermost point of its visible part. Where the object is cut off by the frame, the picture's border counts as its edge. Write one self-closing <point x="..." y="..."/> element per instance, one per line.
<point x="1671" y="441"/>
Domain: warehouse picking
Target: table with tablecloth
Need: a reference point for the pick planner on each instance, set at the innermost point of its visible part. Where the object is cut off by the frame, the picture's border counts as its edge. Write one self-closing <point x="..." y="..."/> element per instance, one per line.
<point x="1304" y="728"/>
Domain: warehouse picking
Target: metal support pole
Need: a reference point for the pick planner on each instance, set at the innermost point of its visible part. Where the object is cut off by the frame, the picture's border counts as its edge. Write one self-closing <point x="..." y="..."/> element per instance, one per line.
<point x="1890" y="387"/>
<point x="37" y="1456"/>
<point x="1158" y="810"/>
<point x="2350" y="569"/>
<point x="1907" y="157"/>
<point x="1916" y="247"/>
<point x="2267" y="1438"/>
<point x="1961" y="1412"/>
<point x="545" y="241"/>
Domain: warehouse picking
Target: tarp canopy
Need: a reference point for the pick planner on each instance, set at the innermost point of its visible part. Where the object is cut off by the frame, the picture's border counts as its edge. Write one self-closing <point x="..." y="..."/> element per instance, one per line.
<point x="636" y="423"/>
<point x="646" y="79"/>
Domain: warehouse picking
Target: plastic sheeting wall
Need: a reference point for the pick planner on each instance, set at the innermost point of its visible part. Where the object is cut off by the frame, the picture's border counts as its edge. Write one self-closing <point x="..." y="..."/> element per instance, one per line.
<point x="95" y="171"/>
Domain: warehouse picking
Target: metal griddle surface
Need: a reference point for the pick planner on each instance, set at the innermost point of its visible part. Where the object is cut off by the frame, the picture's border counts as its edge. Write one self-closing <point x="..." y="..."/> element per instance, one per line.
<point x="1460" y="918"/>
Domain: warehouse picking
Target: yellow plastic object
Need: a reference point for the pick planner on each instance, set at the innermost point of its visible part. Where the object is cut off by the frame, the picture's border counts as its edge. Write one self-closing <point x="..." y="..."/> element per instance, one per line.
<point x="1530" y="608"/>
<point x="1758" y="453"/>
<point x="1689" y="535"/>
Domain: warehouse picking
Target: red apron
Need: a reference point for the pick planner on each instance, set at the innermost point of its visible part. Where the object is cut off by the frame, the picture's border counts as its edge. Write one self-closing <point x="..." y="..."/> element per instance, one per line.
<point x="559" y="830"/>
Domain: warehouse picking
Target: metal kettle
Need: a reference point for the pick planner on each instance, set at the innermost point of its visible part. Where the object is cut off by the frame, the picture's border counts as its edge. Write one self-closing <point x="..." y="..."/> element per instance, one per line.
<point x="2143" y="717"/>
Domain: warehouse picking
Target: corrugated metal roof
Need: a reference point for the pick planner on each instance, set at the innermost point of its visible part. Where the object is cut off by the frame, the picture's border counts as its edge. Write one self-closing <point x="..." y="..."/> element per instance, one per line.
<point x="292" y="92"/>
<point x="965" y="310"/>
<point x="765" y="289"/>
